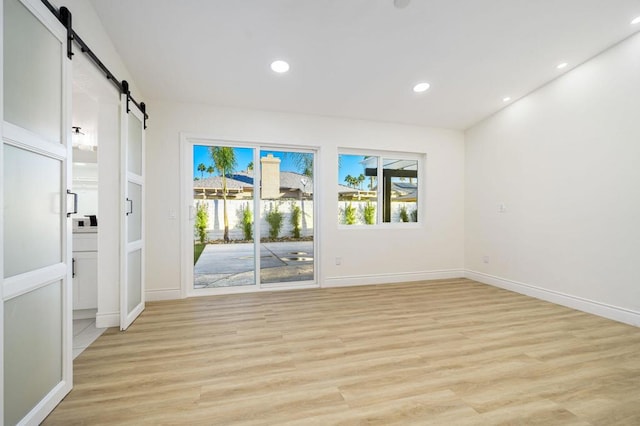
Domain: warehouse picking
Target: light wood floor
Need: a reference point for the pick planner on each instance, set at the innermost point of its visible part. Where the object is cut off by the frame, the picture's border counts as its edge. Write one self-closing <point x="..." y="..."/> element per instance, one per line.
<point x="450" y="352"/>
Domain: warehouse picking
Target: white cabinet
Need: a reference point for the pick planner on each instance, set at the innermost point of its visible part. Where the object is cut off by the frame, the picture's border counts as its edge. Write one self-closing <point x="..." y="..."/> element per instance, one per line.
<point x="85" y="271"/>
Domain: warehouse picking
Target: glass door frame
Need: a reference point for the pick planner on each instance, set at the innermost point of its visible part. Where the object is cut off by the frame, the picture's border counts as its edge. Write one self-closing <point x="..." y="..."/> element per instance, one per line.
<point x="187" y="215"/>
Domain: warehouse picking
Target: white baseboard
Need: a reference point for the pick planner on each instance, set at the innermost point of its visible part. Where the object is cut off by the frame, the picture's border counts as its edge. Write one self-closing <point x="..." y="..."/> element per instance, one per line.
<point x="108" y="319"/>
<point x="84" y="313"/>
<point x="615" y="313"/>
<point x="354" y="280"/>
<point x="155" y="295"/>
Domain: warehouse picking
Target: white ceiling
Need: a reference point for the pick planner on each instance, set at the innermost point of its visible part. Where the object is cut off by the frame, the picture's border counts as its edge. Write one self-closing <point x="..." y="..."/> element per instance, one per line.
<point x="359" y="58"/>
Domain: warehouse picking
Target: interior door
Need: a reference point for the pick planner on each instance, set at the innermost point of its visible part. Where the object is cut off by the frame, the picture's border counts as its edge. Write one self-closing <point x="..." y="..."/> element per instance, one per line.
<point x="132" y="261"/>
<point x="36" y="232"/>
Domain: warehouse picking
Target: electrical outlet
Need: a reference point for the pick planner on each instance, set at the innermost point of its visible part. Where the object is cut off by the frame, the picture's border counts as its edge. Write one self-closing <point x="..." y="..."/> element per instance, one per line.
<point x="502" y="208"/>
<point x="485" y="259"/>
<point x="338" y="261"/>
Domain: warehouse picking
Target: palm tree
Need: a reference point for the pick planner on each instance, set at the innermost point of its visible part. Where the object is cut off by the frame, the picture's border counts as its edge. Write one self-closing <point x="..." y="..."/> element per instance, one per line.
<point x="210" y="170"/>
<point x="224" y="159"/>
<point x="303" y="161"/>
<point x="361" y="179"/>
<point x="348" y="179"/>
<point x="201" y="169"/>
<point x="250" y="166"/>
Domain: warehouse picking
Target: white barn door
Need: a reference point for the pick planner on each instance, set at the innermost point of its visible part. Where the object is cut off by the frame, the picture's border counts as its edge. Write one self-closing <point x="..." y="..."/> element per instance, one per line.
<point x="36" y="253"/>
<point x="132" y="285"/>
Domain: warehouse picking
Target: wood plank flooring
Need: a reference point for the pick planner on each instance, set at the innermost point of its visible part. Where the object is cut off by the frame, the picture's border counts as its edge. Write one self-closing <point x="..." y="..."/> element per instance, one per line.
<point x="451" y="352"/>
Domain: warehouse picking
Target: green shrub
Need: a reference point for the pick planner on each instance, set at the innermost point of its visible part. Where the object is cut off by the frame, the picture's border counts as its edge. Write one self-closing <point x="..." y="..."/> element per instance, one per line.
<point x="247" y="223"/>
<point x="414" y="215"/>
<point x="197" y="251"/>
<point x="369" y="213"/>
<point x="296" y="219"/>
<point x="202" y="220"/>
<point x="350" y="215"/>
<point x="404" y="216"/>
<point x="274" y="219"/>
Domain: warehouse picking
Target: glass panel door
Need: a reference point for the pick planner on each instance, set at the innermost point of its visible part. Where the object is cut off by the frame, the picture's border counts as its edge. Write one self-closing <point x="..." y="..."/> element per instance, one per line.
<point x="223" y="220"/>
<point x="132" y="163"/>
<point x="286" y="217"/>
<point x="36" y="307"/>
<point x="33" y="203"/>
<point x="32" y="71"/>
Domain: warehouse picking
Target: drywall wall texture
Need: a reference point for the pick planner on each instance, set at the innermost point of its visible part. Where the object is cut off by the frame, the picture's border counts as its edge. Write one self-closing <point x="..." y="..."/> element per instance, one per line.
<point x="431" y="250"/>
<point x="563" y="162"/>
<point x="88" y="26"/>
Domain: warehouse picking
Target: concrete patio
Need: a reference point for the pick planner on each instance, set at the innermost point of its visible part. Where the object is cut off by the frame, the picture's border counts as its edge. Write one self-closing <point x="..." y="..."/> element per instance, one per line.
<point x="229" y="265"/>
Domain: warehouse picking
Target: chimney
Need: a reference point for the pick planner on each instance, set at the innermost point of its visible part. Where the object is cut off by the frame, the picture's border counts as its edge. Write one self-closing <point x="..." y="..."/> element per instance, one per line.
<point x="270" y="167"/>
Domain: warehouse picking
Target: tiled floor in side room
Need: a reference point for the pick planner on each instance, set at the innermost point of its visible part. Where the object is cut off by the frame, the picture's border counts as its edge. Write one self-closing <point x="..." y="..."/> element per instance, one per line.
<point x="84" y="334"/>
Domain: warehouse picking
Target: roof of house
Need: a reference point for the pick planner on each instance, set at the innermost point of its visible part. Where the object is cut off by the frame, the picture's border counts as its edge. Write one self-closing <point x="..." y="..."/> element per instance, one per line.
<point x="404" y="191"/>
<point x="215" y="182"/>
<point x="292" y="181"/>
<point x="244" y="180"/>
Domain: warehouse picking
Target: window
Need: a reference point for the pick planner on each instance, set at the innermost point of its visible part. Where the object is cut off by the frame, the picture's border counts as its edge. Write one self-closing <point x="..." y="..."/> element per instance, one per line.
<point x="360" y="188"/>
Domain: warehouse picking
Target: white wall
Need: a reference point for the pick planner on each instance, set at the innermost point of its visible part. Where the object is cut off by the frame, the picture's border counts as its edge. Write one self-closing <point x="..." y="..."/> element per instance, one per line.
<point x="109" y="214"/>
<point x="565" y="161"/>
<point x="88" y="26"/>
<point x="368" y="256"/>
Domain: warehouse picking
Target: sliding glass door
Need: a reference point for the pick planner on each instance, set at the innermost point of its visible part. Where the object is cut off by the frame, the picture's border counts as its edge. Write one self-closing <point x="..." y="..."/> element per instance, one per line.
<point x="286" y="205"/>
<point x="222" y="206"/>
<point x="251" y="217"/>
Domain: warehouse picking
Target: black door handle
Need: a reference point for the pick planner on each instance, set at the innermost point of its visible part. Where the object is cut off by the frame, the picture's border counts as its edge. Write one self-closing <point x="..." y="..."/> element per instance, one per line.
<point x="75" y="203"/>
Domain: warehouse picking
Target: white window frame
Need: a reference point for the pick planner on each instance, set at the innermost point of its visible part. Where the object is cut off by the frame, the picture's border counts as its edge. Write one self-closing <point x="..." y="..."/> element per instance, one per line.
<point x="382" y="155"/>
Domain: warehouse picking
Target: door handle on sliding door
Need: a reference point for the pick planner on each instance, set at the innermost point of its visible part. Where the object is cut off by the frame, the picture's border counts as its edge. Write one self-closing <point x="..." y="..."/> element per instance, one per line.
<point x="130" y="210"/>
<point x="75" y="203"/>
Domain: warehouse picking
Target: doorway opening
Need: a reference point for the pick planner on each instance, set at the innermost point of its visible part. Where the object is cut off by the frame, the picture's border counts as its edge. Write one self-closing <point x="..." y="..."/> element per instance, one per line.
<point x="94" y="138"/>
<point x="251" y="217"/>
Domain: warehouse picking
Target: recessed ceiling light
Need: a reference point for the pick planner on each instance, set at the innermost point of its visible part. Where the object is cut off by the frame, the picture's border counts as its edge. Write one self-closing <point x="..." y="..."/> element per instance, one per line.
<point x="279" y="66"/>
<point x="636" y="20"/>
<point x="401" y="4"/>
<point x="562" y="65"/>
<point x="421" y="87"/>
<point x="506" y="99"/>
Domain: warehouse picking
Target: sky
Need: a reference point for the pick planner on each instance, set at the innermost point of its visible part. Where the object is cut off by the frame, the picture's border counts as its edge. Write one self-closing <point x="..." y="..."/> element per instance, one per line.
<point x="349" y="164"/>
<point x="201" y="155"/>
